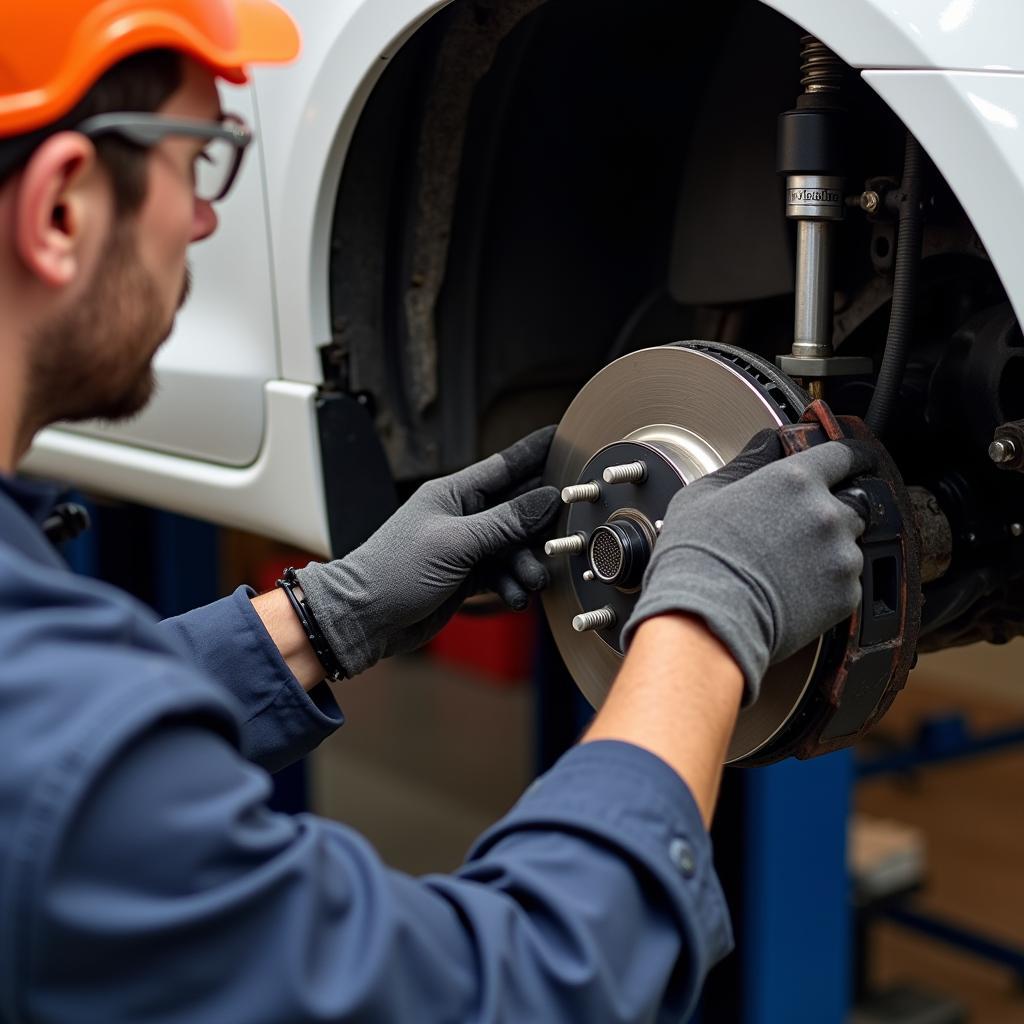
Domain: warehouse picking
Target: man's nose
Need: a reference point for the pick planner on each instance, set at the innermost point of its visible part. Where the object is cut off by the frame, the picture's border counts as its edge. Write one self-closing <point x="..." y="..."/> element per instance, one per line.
<point x="204" y="220"/>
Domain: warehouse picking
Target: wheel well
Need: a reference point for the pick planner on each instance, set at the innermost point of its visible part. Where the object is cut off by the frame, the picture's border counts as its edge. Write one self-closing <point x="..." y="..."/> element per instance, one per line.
<point x="537" y="186"/>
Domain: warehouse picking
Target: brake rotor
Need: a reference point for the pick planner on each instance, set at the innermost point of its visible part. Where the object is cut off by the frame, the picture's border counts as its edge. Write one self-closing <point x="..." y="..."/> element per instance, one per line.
<point x="679" y="412"/>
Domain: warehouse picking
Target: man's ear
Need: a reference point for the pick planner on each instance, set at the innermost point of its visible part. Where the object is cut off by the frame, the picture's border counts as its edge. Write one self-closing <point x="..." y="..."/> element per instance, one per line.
<point x="56" y="209"/>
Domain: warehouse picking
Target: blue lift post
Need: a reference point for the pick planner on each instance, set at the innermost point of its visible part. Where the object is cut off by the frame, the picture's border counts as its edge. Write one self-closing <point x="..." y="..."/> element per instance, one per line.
<point x="794" y="935"/>
<point x="561" y="712"/>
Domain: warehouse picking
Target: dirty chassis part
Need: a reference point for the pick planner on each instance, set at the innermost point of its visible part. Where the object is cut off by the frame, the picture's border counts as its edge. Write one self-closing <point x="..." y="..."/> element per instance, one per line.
<point x="866" y="660"/>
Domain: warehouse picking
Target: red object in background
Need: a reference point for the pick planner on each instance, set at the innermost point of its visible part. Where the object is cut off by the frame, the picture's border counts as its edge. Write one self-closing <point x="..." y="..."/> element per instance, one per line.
<point x="498" y="647"/>
<point x="271" y="569"/>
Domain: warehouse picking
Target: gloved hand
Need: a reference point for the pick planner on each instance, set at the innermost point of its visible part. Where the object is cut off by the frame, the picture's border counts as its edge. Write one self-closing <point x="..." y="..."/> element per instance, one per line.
<point x="762" y="551"/>
<point x="456" y="536"/>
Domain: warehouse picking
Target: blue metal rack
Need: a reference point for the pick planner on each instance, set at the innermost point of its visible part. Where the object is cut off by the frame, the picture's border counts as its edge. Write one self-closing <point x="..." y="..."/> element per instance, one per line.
<point x="967" y="939"/>
<point x="939" y="740"/>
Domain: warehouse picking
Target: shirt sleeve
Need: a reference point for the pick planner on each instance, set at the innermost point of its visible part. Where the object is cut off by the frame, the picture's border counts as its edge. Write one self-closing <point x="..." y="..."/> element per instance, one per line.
<point x="176" y="895"/>
<point x="280" y="721"/>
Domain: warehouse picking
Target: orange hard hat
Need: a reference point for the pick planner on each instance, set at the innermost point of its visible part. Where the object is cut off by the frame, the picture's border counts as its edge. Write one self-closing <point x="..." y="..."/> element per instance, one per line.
<point x="52" y="52"/>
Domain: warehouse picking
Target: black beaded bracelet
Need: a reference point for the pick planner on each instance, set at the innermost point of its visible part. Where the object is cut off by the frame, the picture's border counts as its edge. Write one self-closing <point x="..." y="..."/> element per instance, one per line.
<point x="321" y="648"/>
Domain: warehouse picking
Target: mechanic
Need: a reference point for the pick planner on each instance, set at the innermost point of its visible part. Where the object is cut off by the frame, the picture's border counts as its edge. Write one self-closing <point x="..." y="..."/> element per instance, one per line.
<point x="142" y="875"/>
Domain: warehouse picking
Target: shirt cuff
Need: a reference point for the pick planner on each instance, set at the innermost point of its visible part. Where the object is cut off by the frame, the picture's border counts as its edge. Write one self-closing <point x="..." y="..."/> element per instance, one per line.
<point x="629" y="799"/>
<point x="281" y="722"/>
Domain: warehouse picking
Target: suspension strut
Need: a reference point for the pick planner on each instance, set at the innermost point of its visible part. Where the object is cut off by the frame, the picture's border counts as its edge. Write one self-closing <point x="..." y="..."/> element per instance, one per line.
<point x="812" y="143"/>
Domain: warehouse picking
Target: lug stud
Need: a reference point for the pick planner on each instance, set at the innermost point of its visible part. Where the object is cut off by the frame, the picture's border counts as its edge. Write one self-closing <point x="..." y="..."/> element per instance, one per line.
<point x="590" y="491"/>
<point x="628" y="473"/>
<point x="601" y="618"/>
<point x="571" y="545"/>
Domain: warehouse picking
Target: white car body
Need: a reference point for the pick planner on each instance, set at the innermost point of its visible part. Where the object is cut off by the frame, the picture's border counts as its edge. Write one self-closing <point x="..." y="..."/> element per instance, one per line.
<point x="232" y="436"/>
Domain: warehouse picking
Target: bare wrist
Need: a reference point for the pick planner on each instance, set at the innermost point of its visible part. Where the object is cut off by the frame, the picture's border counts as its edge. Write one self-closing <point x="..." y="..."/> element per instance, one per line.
<point x="677" y="695"/>
<point x="285" y="630"/>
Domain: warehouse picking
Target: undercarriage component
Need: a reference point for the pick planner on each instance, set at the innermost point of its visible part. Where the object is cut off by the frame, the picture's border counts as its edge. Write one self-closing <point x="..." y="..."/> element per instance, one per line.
<point x="1003" y="451"/>
<point x="908" y="201"/>
<point x="654" y="421"/>
<point x="864" y="662"/>
<point x="975" y="395"/>
<point x="812" y="140"/>
<point x="493" y="179"/>
<point x="1007" y="448"/>
<point x="934" y="532"/>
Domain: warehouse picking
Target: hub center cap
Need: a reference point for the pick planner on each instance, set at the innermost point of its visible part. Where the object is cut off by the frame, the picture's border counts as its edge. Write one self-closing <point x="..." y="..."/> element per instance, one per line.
<point x="619" y="552"/>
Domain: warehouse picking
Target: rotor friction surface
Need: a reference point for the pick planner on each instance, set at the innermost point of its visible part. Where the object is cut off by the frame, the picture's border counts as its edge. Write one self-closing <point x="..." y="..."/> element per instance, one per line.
<point x="649" y="393"/>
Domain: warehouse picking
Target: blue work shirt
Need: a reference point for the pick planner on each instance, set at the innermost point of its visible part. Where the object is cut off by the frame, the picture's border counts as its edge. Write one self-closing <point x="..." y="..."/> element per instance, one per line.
<point x="143" y="877"/>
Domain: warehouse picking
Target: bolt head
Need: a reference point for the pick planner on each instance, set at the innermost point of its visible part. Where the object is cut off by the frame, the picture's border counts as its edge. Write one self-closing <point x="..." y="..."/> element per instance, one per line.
<point x="1016" y="529"/>
<point x="869" y="201"/>
<point x="1002" y="450"/>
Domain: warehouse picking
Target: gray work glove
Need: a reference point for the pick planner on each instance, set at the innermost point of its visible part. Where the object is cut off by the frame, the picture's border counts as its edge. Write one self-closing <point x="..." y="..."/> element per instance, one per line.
<point x="762" y="551"/>
<point x="456" y="536"/>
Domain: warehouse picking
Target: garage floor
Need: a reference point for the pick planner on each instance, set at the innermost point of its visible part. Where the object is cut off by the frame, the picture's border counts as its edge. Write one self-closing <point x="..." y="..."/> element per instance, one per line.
<point x="972" y="814"/>
<point x="431" y="755"/>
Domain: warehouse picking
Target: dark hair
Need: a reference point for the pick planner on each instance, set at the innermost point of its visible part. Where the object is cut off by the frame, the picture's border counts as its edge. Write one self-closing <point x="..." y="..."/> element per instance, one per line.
<point x="142" y="82"/>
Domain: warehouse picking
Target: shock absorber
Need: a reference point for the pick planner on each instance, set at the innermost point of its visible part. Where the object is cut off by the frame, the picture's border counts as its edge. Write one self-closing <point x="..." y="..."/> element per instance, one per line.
<point x="812" y="142"/>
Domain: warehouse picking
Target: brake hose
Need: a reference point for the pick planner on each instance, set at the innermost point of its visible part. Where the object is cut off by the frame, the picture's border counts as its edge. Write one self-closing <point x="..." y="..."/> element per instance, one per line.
<point x="904" y="291"/>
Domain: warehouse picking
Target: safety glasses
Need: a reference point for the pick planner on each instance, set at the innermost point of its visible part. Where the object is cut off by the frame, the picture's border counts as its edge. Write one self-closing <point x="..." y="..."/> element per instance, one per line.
<point x="216" y="167"/>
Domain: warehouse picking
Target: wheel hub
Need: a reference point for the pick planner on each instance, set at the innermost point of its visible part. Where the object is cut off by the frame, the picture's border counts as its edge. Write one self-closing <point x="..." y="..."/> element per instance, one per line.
<point x="618" y="526"/>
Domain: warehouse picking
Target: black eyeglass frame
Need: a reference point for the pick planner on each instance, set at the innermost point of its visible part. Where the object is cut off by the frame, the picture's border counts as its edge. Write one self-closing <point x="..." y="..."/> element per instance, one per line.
<point x="148" y="130"/>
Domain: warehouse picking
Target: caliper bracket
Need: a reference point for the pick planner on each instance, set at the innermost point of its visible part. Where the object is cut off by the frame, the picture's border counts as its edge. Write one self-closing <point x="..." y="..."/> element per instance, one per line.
<point x="864" y="661"/>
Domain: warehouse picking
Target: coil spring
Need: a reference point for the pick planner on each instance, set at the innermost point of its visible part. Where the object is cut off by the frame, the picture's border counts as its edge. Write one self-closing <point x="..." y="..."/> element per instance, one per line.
<point x="820" y="69"/>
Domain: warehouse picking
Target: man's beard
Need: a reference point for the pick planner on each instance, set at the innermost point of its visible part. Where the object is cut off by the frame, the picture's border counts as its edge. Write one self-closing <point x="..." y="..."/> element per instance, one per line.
<point x="95" y="361"/>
